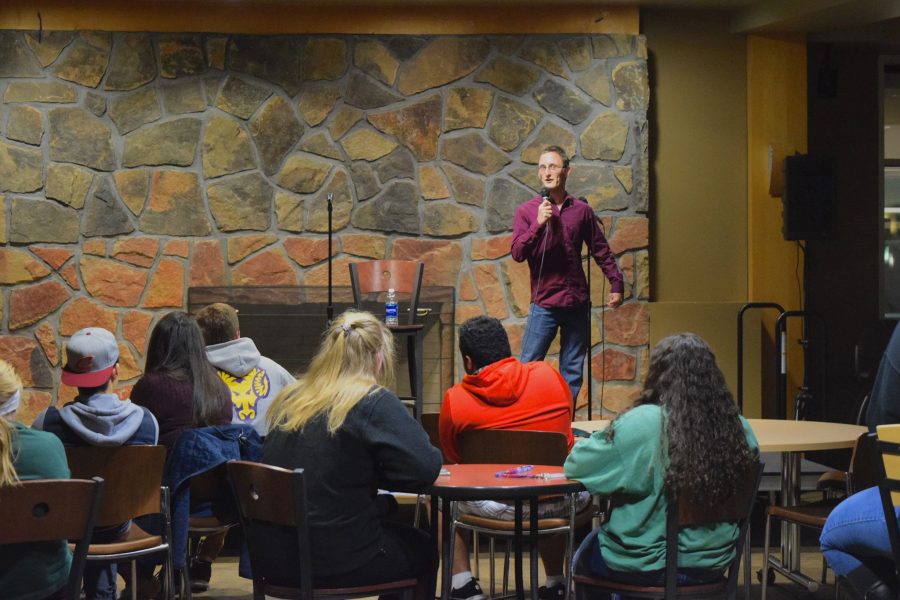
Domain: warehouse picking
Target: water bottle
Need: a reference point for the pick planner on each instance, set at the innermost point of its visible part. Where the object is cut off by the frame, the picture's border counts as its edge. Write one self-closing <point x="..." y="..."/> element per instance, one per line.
<point x="390" y="308"/>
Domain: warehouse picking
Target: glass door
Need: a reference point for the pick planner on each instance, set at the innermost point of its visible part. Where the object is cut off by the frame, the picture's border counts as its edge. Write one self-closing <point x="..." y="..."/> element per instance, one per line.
<point x="890" y="234"/>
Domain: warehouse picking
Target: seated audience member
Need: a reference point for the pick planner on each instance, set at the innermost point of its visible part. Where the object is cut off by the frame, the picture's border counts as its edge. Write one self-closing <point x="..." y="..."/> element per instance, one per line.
<point x="97" y="417"/>
<point x="884" y="403"/>
<point x="179" y="385"/>
<point x="856" y="546"/>
<point x="352" y="436"/>
<point x="683" y="434"/>
<point x="254" y="381"/>
<point x="499" y="392"/>
<point x="40" y="570"/>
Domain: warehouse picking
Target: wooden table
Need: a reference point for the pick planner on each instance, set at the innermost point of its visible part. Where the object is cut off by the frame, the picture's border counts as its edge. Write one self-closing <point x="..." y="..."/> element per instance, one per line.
<point x="479" y="482"/>
<point x="791" y="438"/>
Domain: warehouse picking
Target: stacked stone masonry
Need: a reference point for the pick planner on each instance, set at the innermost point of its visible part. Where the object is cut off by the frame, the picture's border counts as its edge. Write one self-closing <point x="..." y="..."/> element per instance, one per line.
<point x="136" y="165"/>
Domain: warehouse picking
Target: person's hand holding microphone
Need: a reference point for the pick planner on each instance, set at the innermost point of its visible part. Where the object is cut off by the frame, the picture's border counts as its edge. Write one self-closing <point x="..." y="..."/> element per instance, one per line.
<point x="545" y="209"/>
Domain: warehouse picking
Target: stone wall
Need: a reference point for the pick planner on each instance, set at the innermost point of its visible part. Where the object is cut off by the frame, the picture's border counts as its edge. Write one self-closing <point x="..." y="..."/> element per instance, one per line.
<point x="133" y="166"/>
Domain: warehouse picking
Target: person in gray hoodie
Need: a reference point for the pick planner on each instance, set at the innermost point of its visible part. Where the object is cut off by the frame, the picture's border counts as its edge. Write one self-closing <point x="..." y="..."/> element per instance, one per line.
<point x="253" y="380"/>
<point x="97" y="417"/>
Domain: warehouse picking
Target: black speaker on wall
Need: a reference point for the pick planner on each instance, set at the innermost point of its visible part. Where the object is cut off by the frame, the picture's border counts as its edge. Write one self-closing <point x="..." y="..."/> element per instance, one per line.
<point x="808" y="196"/>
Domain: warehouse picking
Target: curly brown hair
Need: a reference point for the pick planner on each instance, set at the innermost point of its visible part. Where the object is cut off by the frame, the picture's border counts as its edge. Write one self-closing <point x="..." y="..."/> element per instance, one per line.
<point x="701" y="433"/>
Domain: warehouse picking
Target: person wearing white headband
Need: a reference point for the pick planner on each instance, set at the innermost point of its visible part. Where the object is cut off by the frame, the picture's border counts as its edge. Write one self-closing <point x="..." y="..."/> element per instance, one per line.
<point x="10" y="404"/>
<point x="29" y="570"/>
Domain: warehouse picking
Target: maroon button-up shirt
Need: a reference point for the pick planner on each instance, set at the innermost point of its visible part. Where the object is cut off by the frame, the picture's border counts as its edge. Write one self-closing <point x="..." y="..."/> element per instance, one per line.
<point x="560" y="282"/>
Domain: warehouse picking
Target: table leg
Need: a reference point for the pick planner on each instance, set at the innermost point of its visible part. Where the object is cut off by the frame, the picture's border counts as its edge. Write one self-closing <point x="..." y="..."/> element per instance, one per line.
<point x="532" y="543"/>
<point x="787" y="499"/>
<point x="793" y="462"/>
<point x="446" y="550"/>
<point x="789" y="565"/>
<point x="517" y="545"/>
<point x="437" y="550"/>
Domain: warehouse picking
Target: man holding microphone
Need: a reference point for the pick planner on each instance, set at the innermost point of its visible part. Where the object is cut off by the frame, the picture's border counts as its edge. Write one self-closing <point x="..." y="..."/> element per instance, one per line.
<point x="548" y="232"/>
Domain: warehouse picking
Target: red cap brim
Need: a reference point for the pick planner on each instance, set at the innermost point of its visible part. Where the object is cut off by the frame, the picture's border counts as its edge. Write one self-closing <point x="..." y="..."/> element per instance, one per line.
<point x="87" y="380"/>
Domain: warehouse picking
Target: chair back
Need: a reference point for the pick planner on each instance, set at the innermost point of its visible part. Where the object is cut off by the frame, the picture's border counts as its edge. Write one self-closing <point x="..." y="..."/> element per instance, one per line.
<point x="431" y="425"/>
<point x="690" y="510"/>
<point x="210" y="485"/>
<point x="132" y="475"/>
<point x="377" y="276"/>
<point x="513" y="446"/>
<point x="268" y="495"/>
<point x="865" y="469"/>
<point x="45" y="510"/>
<point x="889" y="482"/>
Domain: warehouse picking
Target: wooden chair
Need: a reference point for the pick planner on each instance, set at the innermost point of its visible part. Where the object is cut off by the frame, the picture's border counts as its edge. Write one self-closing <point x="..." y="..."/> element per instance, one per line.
<point x="272" y="496"/>
<point x="369" y="281"/>
<point x="212" y="487"/>
<point x="889" y="484"/>
<point x="681" y="513"/>
<point x="516" y="447"/>
<point x="430" y="423"/>
<point x="133" y="476"/>
<point x="45" y="510"/>
<point x="862" y="474"/>
<point x="835" y="481"/>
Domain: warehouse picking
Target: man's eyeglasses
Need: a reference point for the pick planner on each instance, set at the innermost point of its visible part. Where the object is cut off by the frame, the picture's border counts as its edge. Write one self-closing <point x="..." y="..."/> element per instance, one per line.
<point x="550" y="168"/>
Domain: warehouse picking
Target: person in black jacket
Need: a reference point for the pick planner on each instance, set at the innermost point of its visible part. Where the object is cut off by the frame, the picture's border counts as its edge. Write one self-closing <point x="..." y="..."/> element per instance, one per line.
<point x="353" y="437"/>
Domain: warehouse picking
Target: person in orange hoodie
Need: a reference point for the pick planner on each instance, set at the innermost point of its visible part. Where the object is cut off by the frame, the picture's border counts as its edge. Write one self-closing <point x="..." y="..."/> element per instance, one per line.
<point x="499" y="392"/>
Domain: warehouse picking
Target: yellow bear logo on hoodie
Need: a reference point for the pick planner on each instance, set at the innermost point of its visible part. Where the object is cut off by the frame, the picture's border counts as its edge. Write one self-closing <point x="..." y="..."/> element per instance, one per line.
<point x="246" y="392"/>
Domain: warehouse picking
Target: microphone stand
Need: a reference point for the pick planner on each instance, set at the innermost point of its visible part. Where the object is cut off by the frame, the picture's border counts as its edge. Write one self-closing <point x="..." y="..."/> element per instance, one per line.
<point x="590" y="369"/>
<point x="587" y="351"/>
<point x="329" y="310"/>
<point x="590" y="364"/>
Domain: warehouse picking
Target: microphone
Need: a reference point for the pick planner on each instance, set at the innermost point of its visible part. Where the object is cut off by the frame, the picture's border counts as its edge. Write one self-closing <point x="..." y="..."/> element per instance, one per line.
<point x="545" y="195"/>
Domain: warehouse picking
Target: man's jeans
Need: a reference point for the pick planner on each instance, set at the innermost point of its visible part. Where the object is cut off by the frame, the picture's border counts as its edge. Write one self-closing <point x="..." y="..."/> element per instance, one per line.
<point x="575" y="334"/>
<point x="100" y="580"/>
<point x="855" y="534"/>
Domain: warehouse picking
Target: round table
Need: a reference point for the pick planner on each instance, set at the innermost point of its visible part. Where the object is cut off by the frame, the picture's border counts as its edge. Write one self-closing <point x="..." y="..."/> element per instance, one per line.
<point x="480" y="482"/>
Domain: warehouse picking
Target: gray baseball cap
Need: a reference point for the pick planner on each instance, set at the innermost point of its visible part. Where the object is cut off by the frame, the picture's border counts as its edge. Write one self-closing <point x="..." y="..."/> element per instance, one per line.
<point x="91" y="354"/>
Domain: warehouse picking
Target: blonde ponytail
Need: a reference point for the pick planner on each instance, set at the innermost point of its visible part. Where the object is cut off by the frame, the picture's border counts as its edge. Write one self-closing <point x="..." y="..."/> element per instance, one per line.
<point x="357" y="354"/>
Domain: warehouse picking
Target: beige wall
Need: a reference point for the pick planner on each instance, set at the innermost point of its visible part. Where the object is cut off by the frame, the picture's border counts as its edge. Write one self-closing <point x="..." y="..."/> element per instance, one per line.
<point x="777" y="116"/>
<point x="718" y="101"/>
<point x="698" y="149"/>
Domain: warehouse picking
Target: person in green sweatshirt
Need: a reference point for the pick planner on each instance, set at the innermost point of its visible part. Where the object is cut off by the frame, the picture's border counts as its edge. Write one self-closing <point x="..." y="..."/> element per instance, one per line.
<point x="682" y="433"/>
<point x="38" y="570"/>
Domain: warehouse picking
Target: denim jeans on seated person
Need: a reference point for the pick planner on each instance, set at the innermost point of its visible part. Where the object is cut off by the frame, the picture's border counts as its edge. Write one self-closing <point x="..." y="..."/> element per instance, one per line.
<point x="574" y="325"/>
<point x="855" y="534"/>
<point x="100" y="579"/>
<point x="589" y="560"/>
